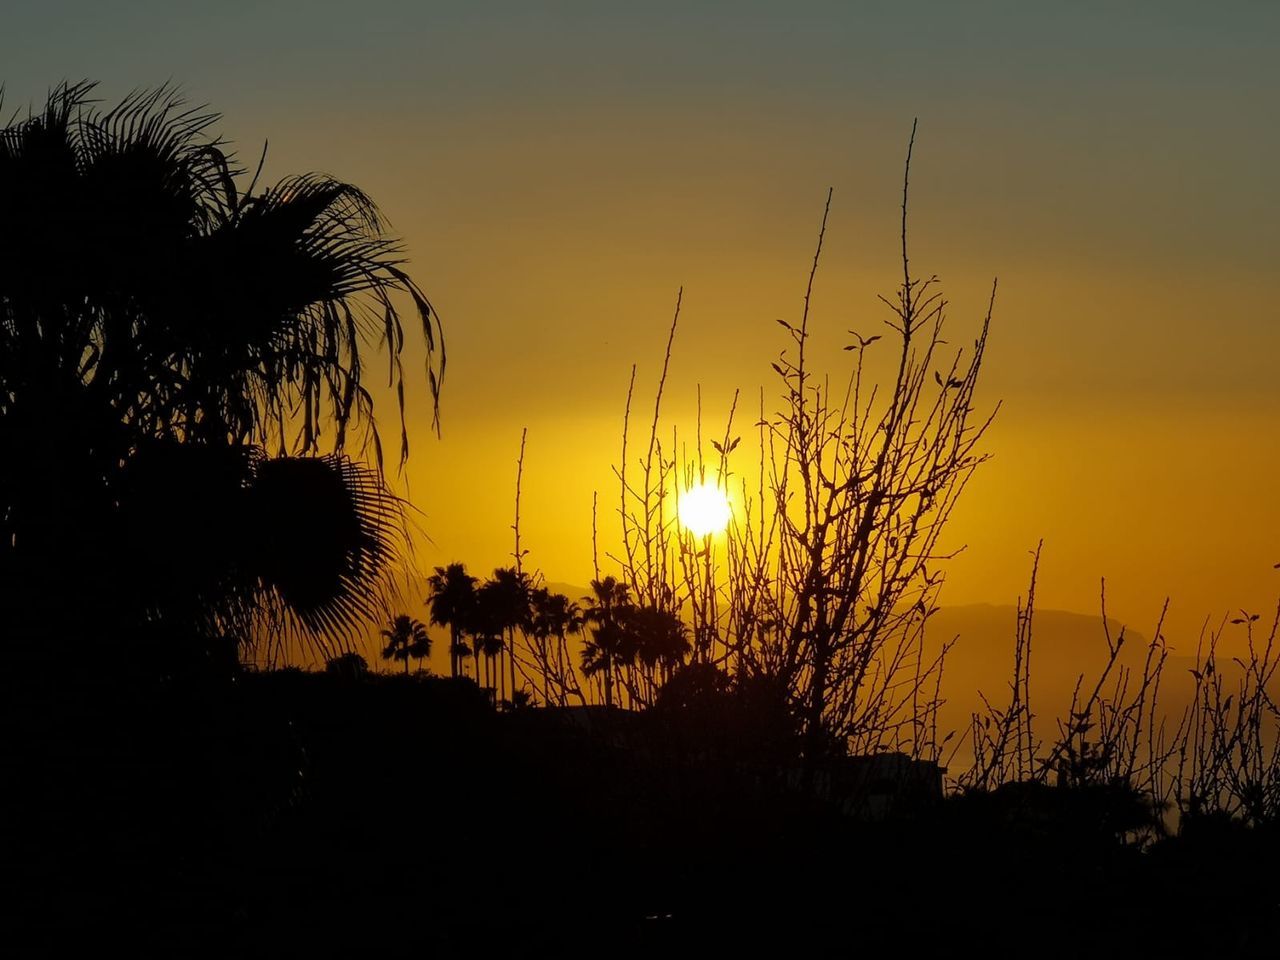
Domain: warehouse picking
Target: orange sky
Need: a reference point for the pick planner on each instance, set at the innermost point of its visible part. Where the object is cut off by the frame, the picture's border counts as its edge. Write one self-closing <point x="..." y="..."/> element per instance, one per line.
<point x="558" y="174"/>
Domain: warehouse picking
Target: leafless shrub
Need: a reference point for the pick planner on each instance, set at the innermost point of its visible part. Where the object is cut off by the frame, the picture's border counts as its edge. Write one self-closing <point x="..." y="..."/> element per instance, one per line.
<point x="1229" y="756"/>
<point x="832" y="564"/>
<point x="1220" y="758"/>
<point x="1003" y="740"/>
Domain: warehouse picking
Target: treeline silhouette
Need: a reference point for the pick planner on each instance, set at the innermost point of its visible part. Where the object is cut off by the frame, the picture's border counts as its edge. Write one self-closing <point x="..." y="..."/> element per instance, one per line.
<point x="729" y="744"/>
<point x="629" y="650"/>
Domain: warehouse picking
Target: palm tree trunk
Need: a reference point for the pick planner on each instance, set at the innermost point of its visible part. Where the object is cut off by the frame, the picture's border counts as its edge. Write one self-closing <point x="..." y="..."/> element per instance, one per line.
<point x="560" y="682"/>
<point x="546" y="689"/>
<point x="511" y="661"/>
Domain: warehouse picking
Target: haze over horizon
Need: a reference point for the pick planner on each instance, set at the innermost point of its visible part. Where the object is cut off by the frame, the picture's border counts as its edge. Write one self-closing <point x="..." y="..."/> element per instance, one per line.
<point x="557" y="176"/>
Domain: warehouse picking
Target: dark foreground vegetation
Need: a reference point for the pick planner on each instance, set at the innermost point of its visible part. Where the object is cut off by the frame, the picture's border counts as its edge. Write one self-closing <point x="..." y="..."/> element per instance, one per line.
<point x="322" y="811"/>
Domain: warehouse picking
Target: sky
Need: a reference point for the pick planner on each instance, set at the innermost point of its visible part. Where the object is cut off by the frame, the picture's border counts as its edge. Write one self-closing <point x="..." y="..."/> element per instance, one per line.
<point x="559" y="170"/>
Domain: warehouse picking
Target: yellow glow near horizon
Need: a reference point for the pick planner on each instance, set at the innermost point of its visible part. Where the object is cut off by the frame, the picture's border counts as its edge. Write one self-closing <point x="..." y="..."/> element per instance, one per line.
<point x="704" y="510"/>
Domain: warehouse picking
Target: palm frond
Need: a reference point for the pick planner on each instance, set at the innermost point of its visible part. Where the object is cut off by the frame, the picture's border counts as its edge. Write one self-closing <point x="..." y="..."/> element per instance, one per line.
<point x="326" y="533"/>
<point x="161" y="327"/>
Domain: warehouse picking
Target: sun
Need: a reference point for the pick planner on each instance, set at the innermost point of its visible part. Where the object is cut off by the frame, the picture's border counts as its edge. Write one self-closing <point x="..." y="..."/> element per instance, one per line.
<point x="704" y="510"/>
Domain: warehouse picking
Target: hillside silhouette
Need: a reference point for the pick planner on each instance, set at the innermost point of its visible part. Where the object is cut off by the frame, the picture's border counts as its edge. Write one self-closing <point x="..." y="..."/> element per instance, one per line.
<point x="1066" y="647"/>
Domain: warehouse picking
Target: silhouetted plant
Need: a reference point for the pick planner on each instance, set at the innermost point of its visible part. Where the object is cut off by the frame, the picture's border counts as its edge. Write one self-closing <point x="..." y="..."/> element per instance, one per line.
<point x="661" y="641"/>
<point x="1228" y="762"/>
<point x="553" y="616"/>
<point x="348" y="666"/>
<point x="832" y="564"/>
<point x="1004" y="744"/>
<point x="162" y="327"/>
<point x="745" y="719"/>
<point x="452" y="602"/>
<point x="406" y="638"/>
<point x="521" y="700"/>
<point x="692" y="685"/>
<point x="651" y="643"/>
<point x="1219" y="761"/>
<point x="501" y="607"/>
<point x="508" y="596"/>
<point x="833" y="561"/>
<point x="609" y="643"/>
<point x="1113" y="736"/>
<point x="488" y="628"/>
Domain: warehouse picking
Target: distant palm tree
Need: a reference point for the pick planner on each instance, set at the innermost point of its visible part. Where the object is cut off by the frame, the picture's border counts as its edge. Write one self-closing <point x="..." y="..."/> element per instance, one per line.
<point x="406" y="637"/>
<point x="539" y="631"/>
<point x="176" y="350"/>
<point x="564" y="618"/>
<point x="506" y="601"/>
<point x="661" y="640"/>
<point x="610" y="643"/>
<point x="487" y="645"/>
<point x="552" y="615"/>
<point x="477" y="651"/>
<point x="463" y="652"/>
<point x="485" y="627"/>
<point x="492" y="645"/>
<point x="459" y="651"/>
<point x="453" y="597"/>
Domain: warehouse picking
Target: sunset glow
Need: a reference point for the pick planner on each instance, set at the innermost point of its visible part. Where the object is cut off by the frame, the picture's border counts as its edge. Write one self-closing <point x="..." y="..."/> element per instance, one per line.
<point x="704" y="510"/>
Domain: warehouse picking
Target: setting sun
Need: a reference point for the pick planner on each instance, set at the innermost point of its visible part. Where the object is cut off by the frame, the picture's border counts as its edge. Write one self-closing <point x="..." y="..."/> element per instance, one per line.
<point x="704" y="510"/>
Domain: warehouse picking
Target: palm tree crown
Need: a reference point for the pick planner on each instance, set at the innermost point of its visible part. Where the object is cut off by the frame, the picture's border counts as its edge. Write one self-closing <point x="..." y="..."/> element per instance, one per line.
<point x="406" y="637"/>
<point x="452" y="603"/>
<point x="609" y="644"/>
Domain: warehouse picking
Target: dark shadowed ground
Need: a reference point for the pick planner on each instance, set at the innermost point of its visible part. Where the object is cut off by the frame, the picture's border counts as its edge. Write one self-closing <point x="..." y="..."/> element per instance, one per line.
<point x="319" y="814"/>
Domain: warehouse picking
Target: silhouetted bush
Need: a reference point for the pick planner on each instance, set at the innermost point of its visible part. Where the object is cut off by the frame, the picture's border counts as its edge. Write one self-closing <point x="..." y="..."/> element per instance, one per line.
<point x="350" y="666"/>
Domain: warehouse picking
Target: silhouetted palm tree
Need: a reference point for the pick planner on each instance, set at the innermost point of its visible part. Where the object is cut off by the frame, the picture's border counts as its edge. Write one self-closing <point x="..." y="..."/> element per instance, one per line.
<point x="661" y="639"/>
<point x="609" y="644"/>
<point x="453" y="597"/>
<point x="406" y="637"/>
<point x="552" y="615"/>
<point x="506" y="600"/>
<point x="464" y="650"/>
<point x="163" y="326"/>
<point x="492" y="646"/>
<point x="486" y="628"/>
<point x="539" y="631"/>
<point x="564" y="618"/>
<point x="477" y="651"/>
